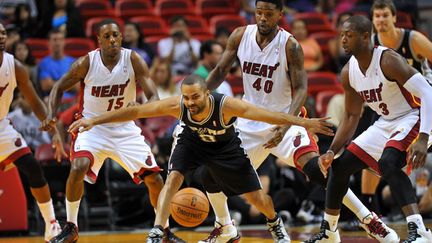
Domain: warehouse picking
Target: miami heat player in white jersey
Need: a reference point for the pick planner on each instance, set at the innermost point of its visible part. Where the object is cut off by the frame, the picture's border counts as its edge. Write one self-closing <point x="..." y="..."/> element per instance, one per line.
<point x="103" y="91"/>
<point x="381" y="95"/>
<point x="12" y="143"/>
<point x="267" y="84"/>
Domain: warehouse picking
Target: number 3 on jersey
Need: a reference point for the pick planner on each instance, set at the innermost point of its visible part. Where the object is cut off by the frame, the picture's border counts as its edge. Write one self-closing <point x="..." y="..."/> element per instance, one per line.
<point x="268" y="85"/>
<point x="118" y="103"/>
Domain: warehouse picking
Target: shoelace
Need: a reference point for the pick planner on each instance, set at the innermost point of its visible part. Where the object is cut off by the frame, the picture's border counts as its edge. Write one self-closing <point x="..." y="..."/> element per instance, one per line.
<point x="214" y="234"/>
<point x="412" y="232"/>
<point x="321" y="234"/>
<point x="276" y="229"/>
<point x="376" y="227"/>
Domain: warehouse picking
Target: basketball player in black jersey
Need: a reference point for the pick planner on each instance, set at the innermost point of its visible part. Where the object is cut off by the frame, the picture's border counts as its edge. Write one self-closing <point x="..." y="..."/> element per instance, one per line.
<point x="207" y="137"/>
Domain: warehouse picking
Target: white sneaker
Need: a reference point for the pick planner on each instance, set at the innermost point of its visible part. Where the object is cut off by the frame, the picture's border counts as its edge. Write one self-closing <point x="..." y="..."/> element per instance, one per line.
<point x="325" y="235"/>
<point x="52" y="230"/>
<point x="223" y="234"/>
<point x="416" y="235"/>
<point x="376" y="229"/>
<point x="277" y="229"/>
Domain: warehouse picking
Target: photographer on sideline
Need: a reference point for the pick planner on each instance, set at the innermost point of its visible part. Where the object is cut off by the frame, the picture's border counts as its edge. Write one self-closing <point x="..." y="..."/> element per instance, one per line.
<point x="180" y="49"/>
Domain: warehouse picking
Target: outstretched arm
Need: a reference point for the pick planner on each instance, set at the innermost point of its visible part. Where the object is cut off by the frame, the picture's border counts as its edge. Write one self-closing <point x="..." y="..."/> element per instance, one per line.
<point x="238" y="108"/>
<point x="217" y="75"/>
<point x="169" y="106"/>
<point x="143" y="78"/>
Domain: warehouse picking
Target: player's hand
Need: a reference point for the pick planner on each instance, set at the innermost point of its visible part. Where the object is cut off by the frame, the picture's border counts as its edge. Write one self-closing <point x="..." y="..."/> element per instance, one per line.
<point x="319" y="125"/>
<point x="57" y="144"/>
<point x="325" y="161"/>
<point x="80" y="125"/>
<point x="48" y="124"/>
<point x="417" y="151"/>
<point x="277" y="138"/>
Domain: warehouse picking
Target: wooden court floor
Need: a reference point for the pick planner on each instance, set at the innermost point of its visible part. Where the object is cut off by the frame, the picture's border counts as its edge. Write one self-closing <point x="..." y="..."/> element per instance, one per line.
<point x="250" y="234"/>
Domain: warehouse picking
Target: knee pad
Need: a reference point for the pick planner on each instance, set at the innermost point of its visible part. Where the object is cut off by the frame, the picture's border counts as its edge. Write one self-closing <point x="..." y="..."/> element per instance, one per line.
<point x="391" y="161"/>
<point x="312" y="170"/>
<point x="28" y="165"/>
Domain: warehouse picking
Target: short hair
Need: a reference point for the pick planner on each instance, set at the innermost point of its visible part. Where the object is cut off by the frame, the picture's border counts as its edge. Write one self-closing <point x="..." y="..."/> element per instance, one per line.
<point x="278" y="3"/>
<point x="207" y="47"/>
<point x="360" y="24"/>
<point x="195" y="79"/>
<point x="220" y="30"/>
<point x="178" y="18"/>
<point x="105" y="22"/>
<point x="55" y="31"/>
<point x="380" y="4"/>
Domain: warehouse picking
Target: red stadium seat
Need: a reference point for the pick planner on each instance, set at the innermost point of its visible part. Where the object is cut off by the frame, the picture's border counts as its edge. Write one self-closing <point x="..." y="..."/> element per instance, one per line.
<point x="315" y="22"/>
<point x="151" y="26"/>
<point x="228" y="21"/>
<point x="77" y="47"/>
<point x="95" y="8"/>
<point x="322" y="99"/>
<point x="159" y="125"/>
<point x="38" y="47"/>
<point x="197" y="25"/>
<point x="92" y="24"/>
<point x="46" y="154"/>
<point x="209" y="8"/>
<point x="236" y="83"/>
<point x="321" y="81"/>
<point x="323" y="39"/>
<point x="126" y="9"/>
<point x="170" y="8"/>
<point x="403" y="20"/>
<point x="204" y="37"/>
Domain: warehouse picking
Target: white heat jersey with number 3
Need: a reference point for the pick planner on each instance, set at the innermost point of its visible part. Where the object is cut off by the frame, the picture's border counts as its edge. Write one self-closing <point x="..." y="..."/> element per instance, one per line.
<point x="108" y="90"/>
<point x="265" y="72"/>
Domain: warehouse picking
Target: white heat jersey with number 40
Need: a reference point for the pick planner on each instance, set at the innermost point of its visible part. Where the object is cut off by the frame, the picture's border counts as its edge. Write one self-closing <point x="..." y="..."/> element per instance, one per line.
<point x="265" y="72"/>
<point x="106" y="90"/>
<point x="387" y="98"/>
<point x="7" y="83"/>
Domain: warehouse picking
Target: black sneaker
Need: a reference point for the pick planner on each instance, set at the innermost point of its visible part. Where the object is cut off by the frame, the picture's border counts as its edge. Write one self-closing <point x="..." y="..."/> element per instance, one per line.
<point x="170" y="237"/>
<point x="417" y="235"/>
<point x="325" y="234"/>
<point x="155" y="235"/>
<point x="69" y="234"/>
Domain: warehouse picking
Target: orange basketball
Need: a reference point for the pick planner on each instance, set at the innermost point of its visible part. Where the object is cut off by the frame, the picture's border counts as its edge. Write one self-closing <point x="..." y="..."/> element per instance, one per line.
<point x="189" y="207"/>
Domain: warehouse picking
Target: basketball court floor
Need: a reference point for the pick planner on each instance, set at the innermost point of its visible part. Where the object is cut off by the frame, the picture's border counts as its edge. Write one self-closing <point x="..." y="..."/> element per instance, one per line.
<point x="251" y="234"/>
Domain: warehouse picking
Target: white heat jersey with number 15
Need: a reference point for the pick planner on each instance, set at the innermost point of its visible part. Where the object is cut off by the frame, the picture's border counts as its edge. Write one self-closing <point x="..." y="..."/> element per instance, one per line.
<point x="265" y="72"/>
<point x="387" y="98"/>
<point x="108" y="90"/>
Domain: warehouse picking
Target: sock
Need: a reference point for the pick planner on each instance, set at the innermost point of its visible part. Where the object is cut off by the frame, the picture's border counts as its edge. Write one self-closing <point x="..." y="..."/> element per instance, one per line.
<point x="332" y="220"/>
<point x="72" y="209"/>
<point x="167" y="222"/>
<point x="220" y="207"/>
<point x="47" y="211"/>
<point x="417" y="219"/>
<point x="351" y="201"/>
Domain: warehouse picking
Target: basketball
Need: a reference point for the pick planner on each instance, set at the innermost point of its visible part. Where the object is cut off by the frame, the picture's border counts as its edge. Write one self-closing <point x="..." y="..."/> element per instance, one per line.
<point x="189" y="207"/>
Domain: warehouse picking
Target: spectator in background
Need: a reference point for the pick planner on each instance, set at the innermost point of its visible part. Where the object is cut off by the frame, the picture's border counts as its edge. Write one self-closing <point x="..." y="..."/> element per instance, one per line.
<point x="180" y="49"/>
<point x="12" y="37"/>
<point x="24" y="22"/>
<point x="160" y="73"/>
<point x="133" y="39"/>
<point x="7" y="9"/>
<point x="340" y="58"/>
<point x="313" y="58"/>
<point x="247" y="9"/>
<point x="221" y="36"/>
<point x="52" y="67"/>
<point x="62" y="15"/>
<point x="26" y="123"/>
<point x="210" y="54"/>
<point x="22" y="53"/>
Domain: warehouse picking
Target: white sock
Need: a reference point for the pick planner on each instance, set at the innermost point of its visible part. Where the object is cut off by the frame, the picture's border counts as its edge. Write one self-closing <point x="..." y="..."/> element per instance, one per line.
<point x="417" y="219"/>
<point x="220" y="207"/>
<point x="72" y="209"/>
<point x="167" y="222"/>
<point x="351" y="201"/>
<point x="47" y="211"/>
<point x="332" y="220"/>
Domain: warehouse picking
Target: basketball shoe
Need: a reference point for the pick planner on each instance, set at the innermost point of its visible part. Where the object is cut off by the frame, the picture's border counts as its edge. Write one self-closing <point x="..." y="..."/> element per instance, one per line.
<point x="155" y="235"/>
<point x="223" y="234"/>
<point x="52" y="230"/>
<point x="277" y="229"/>
<point x="325" y="235"/>
<point x="69" y="234"/>
<point x="170" y="237"/>
<point x="376" y="229"/>
<point x="416" y="235"/>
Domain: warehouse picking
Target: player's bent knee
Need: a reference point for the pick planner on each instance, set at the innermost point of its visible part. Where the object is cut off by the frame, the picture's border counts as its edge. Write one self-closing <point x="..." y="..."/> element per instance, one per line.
<point x="80" y="165"/>
<point x="255" y="197"/>
<point x="153" y="179"/>
<point x="312" y="170"/>
<point x="391" y="162"/>
<point x="28" y="165"/>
